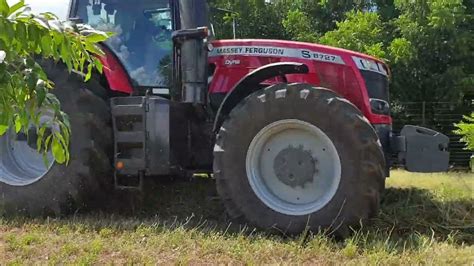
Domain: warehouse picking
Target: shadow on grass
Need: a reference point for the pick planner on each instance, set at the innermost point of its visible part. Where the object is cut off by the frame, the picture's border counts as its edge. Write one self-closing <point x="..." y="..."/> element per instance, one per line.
<point x="404" y="212"/>
<point x="412" y="211"/>
<point x="406" y="215"/>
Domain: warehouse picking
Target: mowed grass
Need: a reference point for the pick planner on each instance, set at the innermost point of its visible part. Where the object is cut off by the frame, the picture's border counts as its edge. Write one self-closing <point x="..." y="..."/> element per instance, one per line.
<point x="424" y="219"/>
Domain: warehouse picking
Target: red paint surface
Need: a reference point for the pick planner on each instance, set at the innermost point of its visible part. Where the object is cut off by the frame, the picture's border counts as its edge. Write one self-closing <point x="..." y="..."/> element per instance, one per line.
<point x="115" y="73"/>
<point x="345" y="79"/>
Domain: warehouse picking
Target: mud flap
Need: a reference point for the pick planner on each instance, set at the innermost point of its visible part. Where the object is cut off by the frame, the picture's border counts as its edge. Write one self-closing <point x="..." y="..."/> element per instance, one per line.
<point x="423" y="150"/>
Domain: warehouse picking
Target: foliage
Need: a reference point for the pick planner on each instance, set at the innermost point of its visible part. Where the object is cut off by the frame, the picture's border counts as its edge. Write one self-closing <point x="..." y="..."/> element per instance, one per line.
<point x="298" y="25"/>
<point x="439" y="35"/>
<point x="255" y="19"/>
<point x="427" y="45"/>
<point x="25" y="91"/>
<point x="323" y="15"/>
<point x="466" y="129"/>
<point x="360" y="31"/>
<point x="282" y="19"/>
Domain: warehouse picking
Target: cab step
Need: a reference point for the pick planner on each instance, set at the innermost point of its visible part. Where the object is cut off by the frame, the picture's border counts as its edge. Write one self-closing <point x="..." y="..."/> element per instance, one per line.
<point x="129" y="182"/>
<point x="129" y="125"/>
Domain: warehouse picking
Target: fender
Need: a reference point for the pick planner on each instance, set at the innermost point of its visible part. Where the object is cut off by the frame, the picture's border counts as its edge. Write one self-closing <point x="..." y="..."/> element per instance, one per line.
<point x="247" y="85"/>
<point x="115" y="73"/>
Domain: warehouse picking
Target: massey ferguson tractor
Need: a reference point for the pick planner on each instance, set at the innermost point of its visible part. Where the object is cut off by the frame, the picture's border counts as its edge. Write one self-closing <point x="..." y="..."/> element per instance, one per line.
<point x="296" y="135"/>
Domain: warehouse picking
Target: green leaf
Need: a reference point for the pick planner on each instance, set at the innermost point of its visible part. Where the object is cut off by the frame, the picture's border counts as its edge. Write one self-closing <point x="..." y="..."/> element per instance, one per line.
<point x="95" y="36"/>
<point x="20" y="31"/>
<point x="3" y="129"/>
<point x="4" y="8"/>
<point x="24" y="86"/>
<point x="17" y="124"/>
<point x="33" y="36"/>
<point x="39" y="140"/>
<point x="24" y="119"/>
<point x="64" y="144"/>
<point x="50" y="16"/>
<point x="52" y="99"/>
<point x="6" y="31"/>
<point x="65" y="119"/>
<point x="47" y="142"/>
<point x="98" y="65"/>
<point x="58" y="38"/>
<point x="46" y="45"/>
<point x="94" y="49"/>
<point x="41" y="22"/>
<point x="58" y="151"/>
<point x="89" y="72"/>
<point x="66" y="55"/>
<point x="56" y="25"/>
<point x="40" y="94"/>
<point x="16" y="7"/>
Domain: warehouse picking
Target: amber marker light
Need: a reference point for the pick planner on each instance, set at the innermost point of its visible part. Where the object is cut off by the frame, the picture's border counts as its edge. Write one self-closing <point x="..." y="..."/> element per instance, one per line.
<point x="120" y="165"/>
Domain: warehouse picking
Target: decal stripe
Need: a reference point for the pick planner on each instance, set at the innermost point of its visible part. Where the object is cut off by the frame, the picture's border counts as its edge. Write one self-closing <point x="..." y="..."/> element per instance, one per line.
<point x="270" y="51"/>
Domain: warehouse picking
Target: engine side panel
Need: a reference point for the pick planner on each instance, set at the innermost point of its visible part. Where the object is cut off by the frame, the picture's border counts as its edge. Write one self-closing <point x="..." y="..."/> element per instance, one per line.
<point x="329" y="67"/>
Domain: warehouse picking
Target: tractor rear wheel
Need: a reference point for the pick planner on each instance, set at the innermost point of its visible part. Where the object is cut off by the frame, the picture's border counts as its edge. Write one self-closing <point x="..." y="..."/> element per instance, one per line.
<point x="292" y="157"/>
<point x="28" y="186"/>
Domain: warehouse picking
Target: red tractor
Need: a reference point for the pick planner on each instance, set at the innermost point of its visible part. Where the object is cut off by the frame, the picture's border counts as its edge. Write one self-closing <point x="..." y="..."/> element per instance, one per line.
<point x="297" y="135"/>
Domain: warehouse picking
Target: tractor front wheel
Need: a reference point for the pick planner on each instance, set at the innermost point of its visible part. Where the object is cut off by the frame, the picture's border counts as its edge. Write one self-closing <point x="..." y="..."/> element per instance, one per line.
<point x="292" y="157"/>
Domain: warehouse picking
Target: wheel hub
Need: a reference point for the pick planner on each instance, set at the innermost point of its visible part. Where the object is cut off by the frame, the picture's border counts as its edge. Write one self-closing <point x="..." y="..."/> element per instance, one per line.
<point x="295" y="166"/>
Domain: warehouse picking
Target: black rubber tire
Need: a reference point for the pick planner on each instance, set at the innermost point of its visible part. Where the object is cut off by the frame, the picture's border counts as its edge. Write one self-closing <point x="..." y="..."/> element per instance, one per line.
<point x="78" y="185"/>
<point x="362" y="161"/>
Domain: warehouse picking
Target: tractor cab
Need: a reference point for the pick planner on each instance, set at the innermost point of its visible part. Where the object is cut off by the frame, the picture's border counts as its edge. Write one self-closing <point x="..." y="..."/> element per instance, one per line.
<point x="158" y="45"/>
<point x="142" y="42"/>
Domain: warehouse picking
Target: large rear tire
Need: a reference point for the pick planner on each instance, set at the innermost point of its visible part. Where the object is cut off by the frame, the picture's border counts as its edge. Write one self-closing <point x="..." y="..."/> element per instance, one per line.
<point x="292" y="157"/>
<point x="61" y="189"/>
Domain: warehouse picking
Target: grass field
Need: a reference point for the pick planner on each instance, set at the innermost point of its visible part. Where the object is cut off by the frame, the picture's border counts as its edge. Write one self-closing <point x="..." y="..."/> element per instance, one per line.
<point x="425" y="219"/>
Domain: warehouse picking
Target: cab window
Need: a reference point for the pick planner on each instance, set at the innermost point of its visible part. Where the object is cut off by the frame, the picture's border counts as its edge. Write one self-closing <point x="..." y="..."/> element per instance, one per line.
<point x="142" y="39"/>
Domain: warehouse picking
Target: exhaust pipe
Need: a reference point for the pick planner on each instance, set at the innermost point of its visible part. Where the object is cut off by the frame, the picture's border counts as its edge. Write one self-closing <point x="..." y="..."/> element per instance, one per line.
<point x="192" y="50"/>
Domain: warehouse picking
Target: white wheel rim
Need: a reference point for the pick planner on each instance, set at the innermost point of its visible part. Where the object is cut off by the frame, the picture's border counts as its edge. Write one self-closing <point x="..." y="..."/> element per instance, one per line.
<point x="20" y="163"/>
<point x="293" y="167"/>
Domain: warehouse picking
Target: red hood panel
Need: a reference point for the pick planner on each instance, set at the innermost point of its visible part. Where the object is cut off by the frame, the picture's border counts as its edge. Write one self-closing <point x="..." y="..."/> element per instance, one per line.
<point x="330" y="67"/>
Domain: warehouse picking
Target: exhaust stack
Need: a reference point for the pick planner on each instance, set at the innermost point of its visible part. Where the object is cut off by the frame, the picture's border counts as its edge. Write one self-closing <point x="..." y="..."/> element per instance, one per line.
<point x="192" y="50"/>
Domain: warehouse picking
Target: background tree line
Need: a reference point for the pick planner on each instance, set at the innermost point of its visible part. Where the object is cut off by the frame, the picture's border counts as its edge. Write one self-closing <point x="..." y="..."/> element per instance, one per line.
<point x="429" y="44"/>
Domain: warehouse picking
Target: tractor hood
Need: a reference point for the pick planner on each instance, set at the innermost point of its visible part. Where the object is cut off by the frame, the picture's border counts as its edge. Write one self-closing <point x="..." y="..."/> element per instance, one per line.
<point x="361" y="78"/>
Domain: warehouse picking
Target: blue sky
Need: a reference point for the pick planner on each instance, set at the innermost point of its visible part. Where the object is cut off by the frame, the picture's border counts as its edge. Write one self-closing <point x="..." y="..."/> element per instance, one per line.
<point x="58" y="7"/>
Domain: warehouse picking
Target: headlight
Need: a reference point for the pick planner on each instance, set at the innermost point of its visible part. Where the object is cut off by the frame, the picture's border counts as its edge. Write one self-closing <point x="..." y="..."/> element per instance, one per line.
<point x="379" y="106"/>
